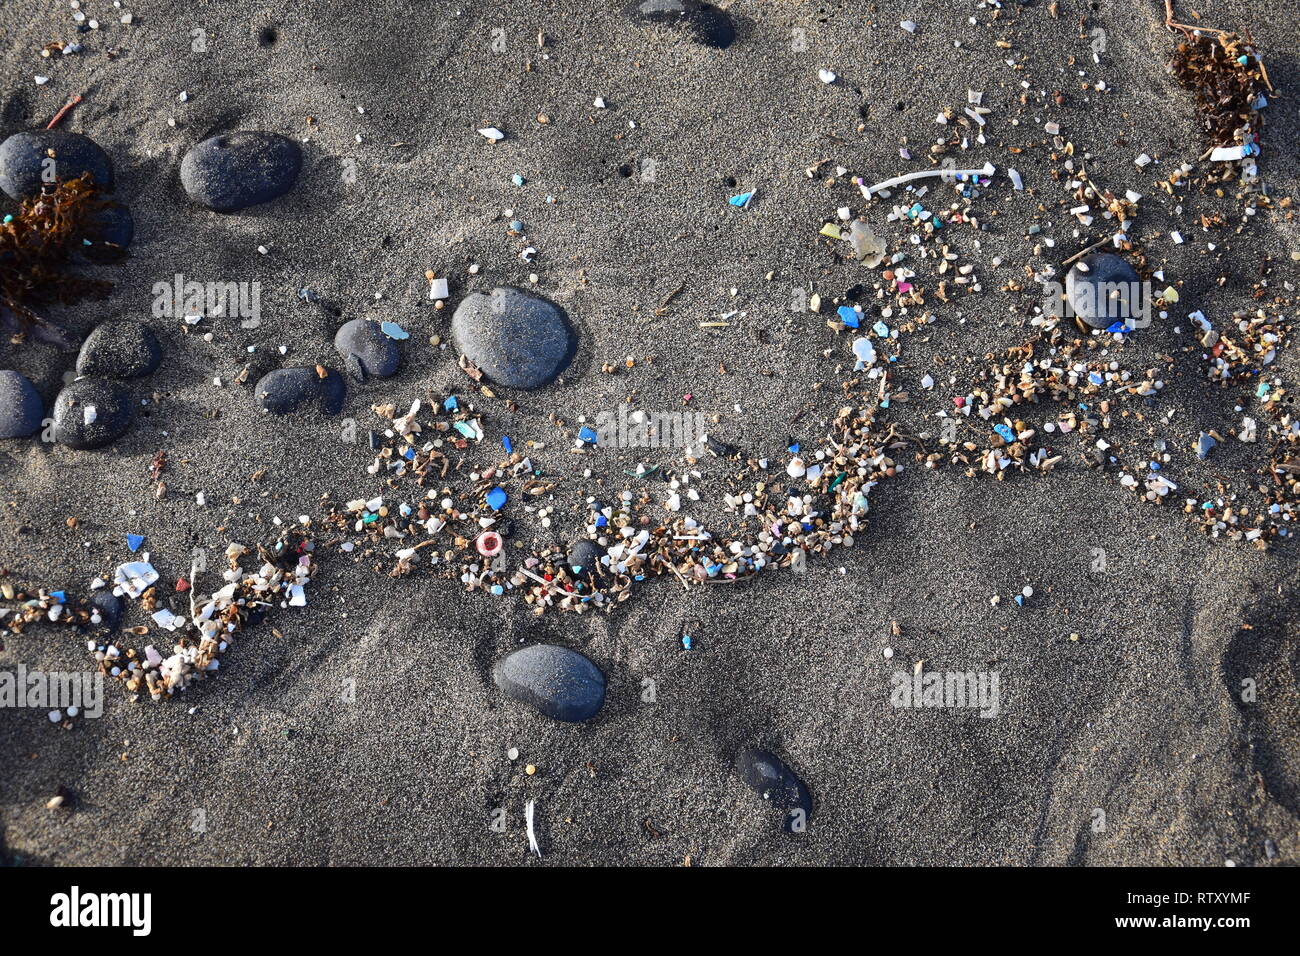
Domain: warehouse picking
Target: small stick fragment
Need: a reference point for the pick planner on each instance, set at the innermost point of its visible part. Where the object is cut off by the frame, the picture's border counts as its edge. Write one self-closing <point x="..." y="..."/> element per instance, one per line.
<point x="1083" y="252"/>
<point x="67" y="108"/>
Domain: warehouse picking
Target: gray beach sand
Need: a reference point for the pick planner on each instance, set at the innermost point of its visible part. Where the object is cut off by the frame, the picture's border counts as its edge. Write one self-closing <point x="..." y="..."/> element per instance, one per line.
<point x="1121" y="736"/>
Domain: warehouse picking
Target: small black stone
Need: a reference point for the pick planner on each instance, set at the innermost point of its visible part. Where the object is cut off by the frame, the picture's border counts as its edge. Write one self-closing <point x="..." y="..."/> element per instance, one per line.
<point x="26" y="166"/>
<point x="21" y="408"/>
<point x="516" y="338"/>
<point x="720" y="448"/>
<point x="366" y="350"/>
<point x="768" y="776"/>
<point x="119" y="349"/>
<point x="112" y="413"/>
<point x="109" y="231"/>
<point x="1100" y="308"/>
<point x="110" y="609"/>
<point x="702" y="22"/>
<point x="233" y="171"/>
<point x="285" y="389"/>
<point x="560" y="683"/>
<point x="584" y="559"/>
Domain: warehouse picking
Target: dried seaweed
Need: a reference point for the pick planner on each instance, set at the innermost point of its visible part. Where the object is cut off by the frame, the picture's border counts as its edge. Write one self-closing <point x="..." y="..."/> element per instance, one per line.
<point x="1226" y="89"/>
<point x="35" y="257"/>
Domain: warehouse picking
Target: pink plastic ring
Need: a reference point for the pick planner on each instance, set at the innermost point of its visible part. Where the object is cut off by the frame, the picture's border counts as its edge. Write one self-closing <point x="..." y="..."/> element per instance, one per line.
<point x="488" y="544"/>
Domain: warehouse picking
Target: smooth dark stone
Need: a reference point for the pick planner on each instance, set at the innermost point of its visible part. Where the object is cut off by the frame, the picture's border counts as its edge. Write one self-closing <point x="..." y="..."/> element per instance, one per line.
<point x="109" y="230"/>
<point x="119" y="349"/>
<point x="720" y="448"/>
<point x="1096" y="309"/>
<point x="584" y="559"/>
<point x="21" y="408"/>
<point x="286" y="389"/>
<point x="516" y="338"/>
<point x="560" y="683"/>
<point x="702" y="22"/>
<point x="23" y="155"/>
<point x="768" y="776"/>
<point x="112" y="405"/>
<point x="366" y="350"/>
<point x="236" y="170"/>
<point x="110" y="609"/>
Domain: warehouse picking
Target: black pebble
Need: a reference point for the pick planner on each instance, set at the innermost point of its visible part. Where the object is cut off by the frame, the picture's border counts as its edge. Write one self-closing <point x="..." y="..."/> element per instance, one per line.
<point x="232" y="171"/>
<point x="119" y="349"/>
<point x="366" y="350"/>
<point x="21" y="408"/>
<point x="584" y="559"/>
<point x="516" y="338"/>
<point x="702" y="22"/>
<point x="285" y="389"/>
<point x="23" y="156"/>
<point x="768" y="776"/>
<point x="112" y="406"/>
<point x="109" y="231"/>
<point x="720" y="448"/>
<point x="560" y="683"/>
<point x="110" y="609"/>
<point x="1100" y="308"/>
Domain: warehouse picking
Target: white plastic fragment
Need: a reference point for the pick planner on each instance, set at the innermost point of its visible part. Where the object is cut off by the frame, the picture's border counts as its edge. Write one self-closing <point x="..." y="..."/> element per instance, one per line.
<point x="1227" y="154"/>
<point x="134" y="577"/>
<point x="987" y="170"/>
<point x="532" y="834"/>
<point x="492" y="133"/>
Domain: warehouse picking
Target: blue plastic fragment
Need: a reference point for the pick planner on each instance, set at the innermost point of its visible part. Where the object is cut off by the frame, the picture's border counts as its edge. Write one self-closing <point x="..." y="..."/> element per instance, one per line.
<point x="133" y="541"/>
<point x="601" y="521"/>
<point x="507" y="445"/>
<point x="742" y="200"/>
<point x="849" y="316"/>
<point x="517" y="179"/>
<point x="587" y="435"/>
<point x="394" y="331"/>
<point x="496" y="498"/>
<point x="61" y="596"/>
<point x="450" y="403"/>
<point x="1005" y="431"/>
<point x="687" y="642"/>
<point x="793" y="449"/>
<point x="1118" y="327"/>
<point x="881" y="329"/>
